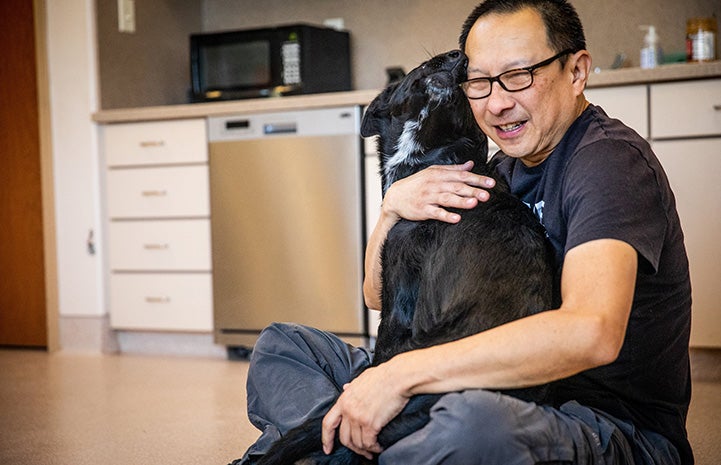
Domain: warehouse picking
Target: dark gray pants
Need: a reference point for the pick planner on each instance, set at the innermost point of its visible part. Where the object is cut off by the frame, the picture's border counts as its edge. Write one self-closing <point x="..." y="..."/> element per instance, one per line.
<point x="296" y="372"/>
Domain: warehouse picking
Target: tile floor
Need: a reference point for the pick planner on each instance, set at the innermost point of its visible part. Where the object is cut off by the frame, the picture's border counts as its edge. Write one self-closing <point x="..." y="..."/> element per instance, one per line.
<point x="82" y="409"/>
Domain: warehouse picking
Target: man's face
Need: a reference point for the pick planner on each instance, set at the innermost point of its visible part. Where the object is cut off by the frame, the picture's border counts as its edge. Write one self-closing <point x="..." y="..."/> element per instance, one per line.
<point x="530" y="123"/>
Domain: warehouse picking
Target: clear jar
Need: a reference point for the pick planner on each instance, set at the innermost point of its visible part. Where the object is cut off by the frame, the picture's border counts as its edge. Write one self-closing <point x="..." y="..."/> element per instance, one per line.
<point x="701" y="39"/>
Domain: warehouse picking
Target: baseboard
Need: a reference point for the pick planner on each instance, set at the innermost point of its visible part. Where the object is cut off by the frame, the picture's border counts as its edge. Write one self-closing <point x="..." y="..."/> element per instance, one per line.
<point x="169" y="344"/>
<point x="706" y="364"/>
<point x="86" y="334"/>
<point x="93" y="334"/>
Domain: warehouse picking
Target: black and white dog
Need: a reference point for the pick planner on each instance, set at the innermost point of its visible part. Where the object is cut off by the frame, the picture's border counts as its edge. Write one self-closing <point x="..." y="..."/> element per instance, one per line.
<point x="440" y="282"/>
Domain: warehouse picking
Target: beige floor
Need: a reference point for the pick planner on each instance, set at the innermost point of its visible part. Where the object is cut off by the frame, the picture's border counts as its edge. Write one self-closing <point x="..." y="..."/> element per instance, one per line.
<point x="74" y="409"/>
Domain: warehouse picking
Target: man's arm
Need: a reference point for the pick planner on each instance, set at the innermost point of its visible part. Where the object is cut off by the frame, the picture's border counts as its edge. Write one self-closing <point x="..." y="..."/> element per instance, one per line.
<point x="587" y="331"/>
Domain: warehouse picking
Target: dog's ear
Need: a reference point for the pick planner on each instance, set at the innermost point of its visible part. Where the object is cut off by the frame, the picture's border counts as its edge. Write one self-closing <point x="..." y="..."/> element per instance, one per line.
<point x="377" y="115"/>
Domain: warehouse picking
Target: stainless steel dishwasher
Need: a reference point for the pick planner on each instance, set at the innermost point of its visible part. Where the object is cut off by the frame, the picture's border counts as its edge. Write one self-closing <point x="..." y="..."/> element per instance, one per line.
<point x="287" y="223"/>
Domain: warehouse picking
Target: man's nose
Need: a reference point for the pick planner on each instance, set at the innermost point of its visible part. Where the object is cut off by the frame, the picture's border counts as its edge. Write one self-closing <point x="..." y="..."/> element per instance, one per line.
<point x="499" y="100"/>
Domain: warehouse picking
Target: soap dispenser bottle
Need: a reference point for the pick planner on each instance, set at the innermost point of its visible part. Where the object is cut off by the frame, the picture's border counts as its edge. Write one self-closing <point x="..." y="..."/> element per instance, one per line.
<point x="651" y="51"/>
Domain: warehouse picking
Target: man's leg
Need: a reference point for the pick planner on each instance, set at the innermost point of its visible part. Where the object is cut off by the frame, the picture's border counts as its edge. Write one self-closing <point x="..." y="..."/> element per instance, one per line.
<point x="296" y="373"/>
<point x="486" y="427"/>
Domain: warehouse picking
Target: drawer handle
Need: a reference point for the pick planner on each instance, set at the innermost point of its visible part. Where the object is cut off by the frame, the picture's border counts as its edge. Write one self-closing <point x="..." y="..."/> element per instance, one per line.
<point x="717" y="107"/>
<point x="154" y="193"/>
<point x="156" y="246"/>
<point x="152" y="143"/>
<point x="157" y="299"/>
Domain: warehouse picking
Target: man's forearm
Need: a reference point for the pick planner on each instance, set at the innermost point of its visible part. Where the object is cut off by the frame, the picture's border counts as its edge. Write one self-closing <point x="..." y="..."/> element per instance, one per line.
<point x="496" y="359"/>
<point x="372" y="280"/>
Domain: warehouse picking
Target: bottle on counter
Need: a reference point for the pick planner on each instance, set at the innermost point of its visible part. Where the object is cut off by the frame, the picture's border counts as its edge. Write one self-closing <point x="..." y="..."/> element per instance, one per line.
<point x="701" y="39"/>
<point x="651" y="55"/>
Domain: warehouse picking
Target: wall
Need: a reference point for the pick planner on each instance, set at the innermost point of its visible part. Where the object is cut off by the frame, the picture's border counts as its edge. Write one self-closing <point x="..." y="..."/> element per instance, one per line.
<point x="150" y="67"/>
<point x="73" y="98"/>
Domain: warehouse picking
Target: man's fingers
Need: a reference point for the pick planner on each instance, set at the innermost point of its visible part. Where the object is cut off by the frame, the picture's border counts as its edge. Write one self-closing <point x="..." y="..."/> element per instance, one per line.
<point x="330" y="423"/>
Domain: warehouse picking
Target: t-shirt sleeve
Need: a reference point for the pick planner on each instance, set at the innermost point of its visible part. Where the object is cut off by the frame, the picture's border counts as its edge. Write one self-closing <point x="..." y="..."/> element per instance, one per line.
<point x="611" y="192"/>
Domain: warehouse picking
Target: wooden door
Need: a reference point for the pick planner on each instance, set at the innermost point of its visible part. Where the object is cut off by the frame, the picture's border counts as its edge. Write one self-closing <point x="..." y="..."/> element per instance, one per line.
<point x="23" y="316"/>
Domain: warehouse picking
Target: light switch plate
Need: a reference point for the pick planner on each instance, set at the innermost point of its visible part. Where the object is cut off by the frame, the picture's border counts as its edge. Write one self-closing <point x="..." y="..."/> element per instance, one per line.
<point x="126" y="16"/>
<point x="335" y="23"/>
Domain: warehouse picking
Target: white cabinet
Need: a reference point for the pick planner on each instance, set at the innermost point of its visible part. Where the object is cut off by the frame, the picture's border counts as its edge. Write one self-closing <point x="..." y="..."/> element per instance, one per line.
<point x="693" y="168"/>
<point x="161" y="300"/>
<point x="156" y="143"/>
<point x="173" y="245"/>
<point x="626" y="103"/>
<point x="161" y="192"/>
<point x="686" y="136"/>
<point x="158" y="225"/>
<point x="686" y="109"/>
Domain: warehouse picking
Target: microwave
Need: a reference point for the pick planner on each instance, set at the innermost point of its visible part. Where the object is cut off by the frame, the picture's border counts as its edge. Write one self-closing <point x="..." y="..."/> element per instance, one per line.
<point x="284" y="60"/>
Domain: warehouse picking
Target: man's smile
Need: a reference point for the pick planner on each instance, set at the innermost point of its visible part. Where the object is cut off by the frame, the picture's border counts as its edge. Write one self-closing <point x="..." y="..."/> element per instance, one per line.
<point x="507" y="130"/>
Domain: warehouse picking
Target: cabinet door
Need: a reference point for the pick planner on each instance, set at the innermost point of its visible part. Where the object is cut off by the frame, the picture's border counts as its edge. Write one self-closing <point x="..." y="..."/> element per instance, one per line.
<point x="686" y="109"/>
<point x="181" y="302"/>
<point x="163" y="192"/>
<point x="626" y="103"/>
<point x="155" y="143"/>
<point x="173" y="245"/>
<point x="693" y="168"/>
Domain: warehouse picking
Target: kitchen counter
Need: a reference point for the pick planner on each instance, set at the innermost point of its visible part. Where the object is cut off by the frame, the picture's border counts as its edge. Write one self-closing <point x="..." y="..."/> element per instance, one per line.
<point x="605" y="78"/>
<point x="664" y="73"/>
<point x="234" y="107"/>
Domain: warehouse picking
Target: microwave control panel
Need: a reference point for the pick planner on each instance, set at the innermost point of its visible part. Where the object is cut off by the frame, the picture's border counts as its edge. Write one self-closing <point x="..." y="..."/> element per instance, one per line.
<point x="290" y="55"/>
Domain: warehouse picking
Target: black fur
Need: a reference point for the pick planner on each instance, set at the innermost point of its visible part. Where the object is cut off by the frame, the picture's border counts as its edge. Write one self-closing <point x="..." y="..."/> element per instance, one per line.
<point x="440" y="282"/>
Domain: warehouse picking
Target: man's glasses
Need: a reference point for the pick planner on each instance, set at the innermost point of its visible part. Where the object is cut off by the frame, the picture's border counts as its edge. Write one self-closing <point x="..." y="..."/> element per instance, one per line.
<point x="513" y="80"/>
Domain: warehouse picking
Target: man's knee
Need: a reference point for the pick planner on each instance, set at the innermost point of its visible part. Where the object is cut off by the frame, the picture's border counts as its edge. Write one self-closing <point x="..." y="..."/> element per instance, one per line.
<point x="481" y="418"/>
<point x="490" y="427"/>
<point x="272" y="333"/>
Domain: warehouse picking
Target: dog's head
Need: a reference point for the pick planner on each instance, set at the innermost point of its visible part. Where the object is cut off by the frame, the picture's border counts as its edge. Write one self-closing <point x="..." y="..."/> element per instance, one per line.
<point x="425" y="119"/>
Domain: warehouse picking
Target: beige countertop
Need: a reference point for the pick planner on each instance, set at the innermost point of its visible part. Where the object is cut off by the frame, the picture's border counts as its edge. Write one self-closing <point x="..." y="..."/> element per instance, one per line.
<point x="605" y="78"/>
<point x="664" y="73"/>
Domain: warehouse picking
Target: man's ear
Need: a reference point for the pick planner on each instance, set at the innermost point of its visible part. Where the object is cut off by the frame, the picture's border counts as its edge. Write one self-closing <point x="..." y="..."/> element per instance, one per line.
<point x="377" y="114"/>
<point x="580" y="63"/>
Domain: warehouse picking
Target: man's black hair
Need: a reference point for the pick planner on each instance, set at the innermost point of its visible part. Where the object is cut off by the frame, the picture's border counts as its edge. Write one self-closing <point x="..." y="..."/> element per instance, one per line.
<point x="564" y="30"/>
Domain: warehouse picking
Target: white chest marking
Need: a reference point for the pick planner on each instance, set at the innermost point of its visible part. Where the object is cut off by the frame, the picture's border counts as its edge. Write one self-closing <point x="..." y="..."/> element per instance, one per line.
<point x="406" y="147"/>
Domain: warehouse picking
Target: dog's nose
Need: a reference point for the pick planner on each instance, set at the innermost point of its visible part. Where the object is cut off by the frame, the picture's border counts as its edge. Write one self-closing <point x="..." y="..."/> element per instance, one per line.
<point x="455" y="57"/>
<point x="457" y="62"/>
<point x="454" y="54"/>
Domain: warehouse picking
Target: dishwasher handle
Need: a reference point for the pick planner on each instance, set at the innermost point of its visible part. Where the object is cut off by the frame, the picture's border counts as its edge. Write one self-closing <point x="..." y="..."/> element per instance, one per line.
<point x="280" y="128"/>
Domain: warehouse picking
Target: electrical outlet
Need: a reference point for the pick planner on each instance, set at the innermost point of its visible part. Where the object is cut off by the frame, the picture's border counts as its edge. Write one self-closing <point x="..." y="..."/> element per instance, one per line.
<point x="126" y="16"/>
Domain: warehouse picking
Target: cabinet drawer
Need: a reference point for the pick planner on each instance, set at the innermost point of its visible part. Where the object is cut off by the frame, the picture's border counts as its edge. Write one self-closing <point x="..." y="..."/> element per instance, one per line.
<point x="626" y="103"/>
<point x="158" y="192"/>
<point x="686" y="109"/>
<point x="182" y="245"/>
<point x="153" y="143"/>
<point x="181" y="302"/>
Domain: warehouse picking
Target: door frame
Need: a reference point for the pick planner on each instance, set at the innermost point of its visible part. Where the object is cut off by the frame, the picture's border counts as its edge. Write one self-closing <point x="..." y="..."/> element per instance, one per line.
<point x="47" y="177"/>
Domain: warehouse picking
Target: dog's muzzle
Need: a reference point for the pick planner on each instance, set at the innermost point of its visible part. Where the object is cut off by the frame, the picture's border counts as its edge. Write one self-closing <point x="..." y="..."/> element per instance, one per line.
<point x="440" y="86"/>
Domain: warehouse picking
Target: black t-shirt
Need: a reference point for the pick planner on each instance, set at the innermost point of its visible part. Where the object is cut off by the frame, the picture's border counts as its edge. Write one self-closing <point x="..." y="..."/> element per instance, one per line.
<point x="603" y="181"/>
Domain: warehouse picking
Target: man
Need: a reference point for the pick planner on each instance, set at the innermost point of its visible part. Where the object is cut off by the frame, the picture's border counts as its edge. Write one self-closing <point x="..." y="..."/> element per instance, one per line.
<point x="617" y="346"/>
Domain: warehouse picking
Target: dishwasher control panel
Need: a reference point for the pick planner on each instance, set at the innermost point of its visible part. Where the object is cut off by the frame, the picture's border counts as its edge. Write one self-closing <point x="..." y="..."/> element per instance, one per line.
<point x="315" y="122"/>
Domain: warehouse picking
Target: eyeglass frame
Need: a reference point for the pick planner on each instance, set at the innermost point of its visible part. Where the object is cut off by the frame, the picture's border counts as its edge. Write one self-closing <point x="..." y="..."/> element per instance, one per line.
<point x="497" y="78"/>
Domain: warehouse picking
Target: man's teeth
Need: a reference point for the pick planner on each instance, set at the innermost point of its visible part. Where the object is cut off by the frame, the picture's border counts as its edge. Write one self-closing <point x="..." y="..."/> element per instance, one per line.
<point x="510" y="127"/>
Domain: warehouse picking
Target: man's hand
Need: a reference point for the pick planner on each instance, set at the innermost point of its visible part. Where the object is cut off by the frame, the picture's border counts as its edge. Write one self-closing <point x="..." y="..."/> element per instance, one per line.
<point x="426" y="195"/>
<point x="366" y="405"/>
<point x="423" y="196"/>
